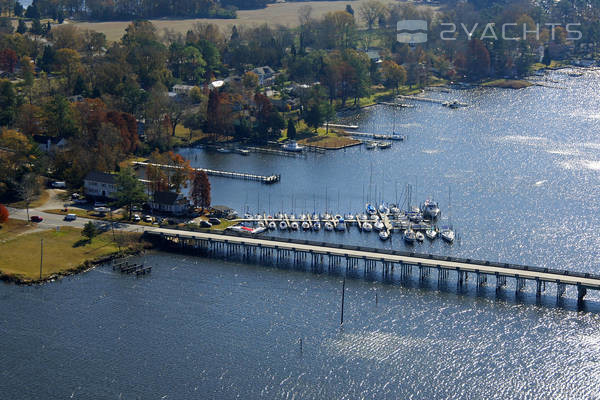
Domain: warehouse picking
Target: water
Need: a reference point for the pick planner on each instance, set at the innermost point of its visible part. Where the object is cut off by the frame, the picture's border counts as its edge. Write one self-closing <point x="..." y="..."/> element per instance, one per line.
<point x="522" y="168"/>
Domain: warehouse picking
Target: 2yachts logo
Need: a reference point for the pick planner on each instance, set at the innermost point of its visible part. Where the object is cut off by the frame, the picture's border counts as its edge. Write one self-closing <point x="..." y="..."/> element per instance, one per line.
<point x="415" y="31"/>
<point x="412" y="31"/>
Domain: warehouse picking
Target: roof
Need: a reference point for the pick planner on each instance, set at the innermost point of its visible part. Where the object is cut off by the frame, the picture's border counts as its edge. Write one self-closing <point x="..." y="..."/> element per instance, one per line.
<point x="102" y="177"/>
<point x="167" y="198"/>
<point x="263" y="70"/>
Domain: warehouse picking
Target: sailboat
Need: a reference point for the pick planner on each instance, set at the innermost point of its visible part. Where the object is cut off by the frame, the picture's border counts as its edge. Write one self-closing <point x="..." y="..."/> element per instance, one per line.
<point x="384" y="235"/>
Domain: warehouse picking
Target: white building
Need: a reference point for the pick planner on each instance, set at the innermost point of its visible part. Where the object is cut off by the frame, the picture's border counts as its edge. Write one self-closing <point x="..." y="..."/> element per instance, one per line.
<point x="100" y="184"/>
<point x="181" y="90"/>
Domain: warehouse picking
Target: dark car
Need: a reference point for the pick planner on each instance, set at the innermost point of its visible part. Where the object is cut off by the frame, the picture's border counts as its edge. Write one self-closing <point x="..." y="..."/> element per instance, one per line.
<point x="205" y="224"/>
<point x="214" y="221"/>
<point x="35" y="218"/>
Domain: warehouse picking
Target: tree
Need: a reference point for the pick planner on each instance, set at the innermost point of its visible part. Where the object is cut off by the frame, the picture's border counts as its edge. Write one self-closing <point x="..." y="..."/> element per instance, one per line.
<point x="250" y="81"/>
<point x="8" y="60"/>
<point x="394" y="75"/>
<point x="3" y="214"/>
<point x="291" y="130"/>
<point x="8" y="103"/>
<point x="18" y="10"/>
<point x="130" y="191"/>
<point x="28" y="189"/>
<point x="89" y="230"/>
<point x="36" y="27"/>
<point x="21" y="27"/>
<point x="371" y="11"/>
<point x="200" y="189"/>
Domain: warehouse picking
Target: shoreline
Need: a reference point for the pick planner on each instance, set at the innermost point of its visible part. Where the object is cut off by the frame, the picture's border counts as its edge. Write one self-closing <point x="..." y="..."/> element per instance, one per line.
<point x="86" y="266"/>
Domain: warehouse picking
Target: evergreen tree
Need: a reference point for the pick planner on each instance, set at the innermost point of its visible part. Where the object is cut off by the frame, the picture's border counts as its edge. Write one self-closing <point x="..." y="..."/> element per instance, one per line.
<point x="291" y="129"/>
<point x="22" y="27"/>
<point x="36" y="27"/>
<point x="89" y="231"/>
<point x="130" y="191"/>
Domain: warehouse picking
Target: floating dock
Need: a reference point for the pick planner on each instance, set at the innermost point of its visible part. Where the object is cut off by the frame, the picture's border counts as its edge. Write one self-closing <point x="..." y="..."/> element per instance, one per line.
<point x="274" y="251"/>
<point x="429" y="100"/>
<point x="225" y="174"/>
<point x="379" y="136"/>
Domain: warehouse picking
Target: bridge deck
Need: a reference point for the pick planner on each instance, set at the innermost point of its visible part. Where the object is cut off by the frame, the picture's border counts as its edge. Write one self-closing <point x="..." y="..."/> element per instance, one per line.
<point x="534" y="273"/>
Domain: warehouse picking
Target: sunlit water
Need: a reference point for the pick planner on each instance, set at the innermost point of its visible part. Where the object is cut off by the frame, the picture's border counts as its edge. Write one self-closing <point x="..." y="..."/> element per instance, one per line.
<point x="522" y="168"/>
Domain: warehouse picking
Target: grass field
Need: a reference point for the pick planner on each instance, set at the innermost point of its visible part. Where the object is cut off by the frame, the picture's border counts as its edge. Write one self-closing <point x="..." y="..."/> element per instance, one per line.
<point x="331" y="142"/>
<point x="275" y="14"/>
<point x="64" y="250"/>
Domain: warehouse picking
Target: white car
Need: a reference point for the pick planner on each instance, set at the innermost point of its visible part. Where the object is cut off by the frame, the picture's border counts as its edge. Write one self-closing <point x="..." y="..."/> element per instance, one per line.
<point x="70" y="217"/>
<point x="136" y="218"/>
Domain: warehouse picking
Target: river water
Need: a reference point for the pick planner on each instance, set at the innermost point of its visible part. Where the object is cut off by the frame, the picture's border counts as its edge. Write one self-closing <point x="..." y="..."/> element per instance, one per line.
<point x="523" y="169"/>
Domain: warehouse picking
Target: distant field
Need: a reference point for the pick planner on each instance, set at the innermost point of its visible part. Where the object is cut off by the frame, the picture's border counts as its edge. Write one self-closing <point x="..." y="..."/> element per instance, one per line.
<point x="275" y="14"/>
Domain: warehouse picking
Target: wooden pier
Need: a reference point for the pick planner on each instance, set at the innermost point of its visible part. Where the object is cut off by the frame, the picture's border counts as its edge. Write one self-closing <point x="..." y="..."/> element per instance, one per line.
<point x="277" y="152"/>
<point x="225" y="174"/>
<point x="400" y="105"/>
<point x="429" y="100"/>
<point x="271" y="250"/>
<point x="378" y="136"/>
<point x="125" y="267"/>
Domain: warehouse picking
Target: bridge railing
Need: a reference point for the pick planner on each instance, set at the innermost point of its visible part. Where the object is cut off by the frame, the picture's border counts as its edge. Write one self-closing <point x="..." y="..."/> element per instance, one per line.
<point x="516" y="267"/>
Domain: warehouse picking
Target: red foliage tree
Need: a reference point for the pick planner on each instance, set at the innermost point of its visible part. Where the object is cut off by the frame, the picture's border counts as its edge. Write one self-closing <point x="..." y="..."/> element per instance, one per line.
<point x="8" y="60"/>
<point x="200" y="190"/>
<point x="3" y="214"/>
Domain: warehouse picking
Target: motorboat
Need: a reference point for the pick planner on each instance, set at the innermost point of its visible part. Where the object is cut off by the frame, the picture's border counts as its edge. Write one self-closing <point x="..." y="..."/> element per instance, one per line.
<point x="341" y="225"/>
<point x="328" y="226"/>
<point x="316" y="226"/>
<point x="371" y="145"/>
<point x="305" y="225"/>
<point x="409" y="236"/>
<point x="223" y="150"/>
<point x="378" y="225"/>
<point x="383" y="235"/>
<point x="362" y="217"/>
<point x="294" y="225"/>
<point x="272" y="225"/>
<point x="430" y="209"/>
<point x="431" y="233"/>
<point x="419" y="236"/>
<point x="258" y="230"/>
<point x="293" y="146"/>
<point x="242" y="151"/>
<point x="370" y="209"/>
<point x="367" y="227"/>
<point x="447" y="234"/>
<point x="384" y="145"/>
<point x="283" y="225"/>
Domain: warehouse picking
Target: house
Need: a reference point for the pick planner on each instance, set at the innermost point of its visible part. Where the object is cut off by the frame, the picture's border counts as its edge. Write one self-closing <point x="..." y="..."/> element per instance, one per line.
<point x="216" y="85"/>
<point x="182" y="90"/>
<point x="170" y="202"/>
<point x="100" y="185"/>
<point x="49" y="144"/>
<point x="265" y="74"/>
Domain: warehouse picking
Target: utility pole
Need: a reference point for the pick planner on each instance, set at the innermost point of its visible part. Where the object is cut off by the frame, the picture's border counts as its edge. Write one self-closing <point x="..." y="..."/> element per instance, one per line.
<point x="41" y="256"/>
<point x="343" y="292"/>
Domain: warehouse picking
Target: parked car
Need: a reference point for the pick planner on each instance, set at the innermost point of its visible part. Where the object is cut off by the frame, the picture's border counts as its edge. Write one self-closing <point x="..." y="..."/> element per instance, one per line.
<point x="136" y="218"/>
<point x="205" y="224"/>
<point x="75" y="196"/>
<point x="148" y="218"/>
<point x="36" y="218"/>
<point x="59" y="185"/>
<point x="70" y="217"/>
<point x="99" y="204"/>
<point x="214" y="221"/>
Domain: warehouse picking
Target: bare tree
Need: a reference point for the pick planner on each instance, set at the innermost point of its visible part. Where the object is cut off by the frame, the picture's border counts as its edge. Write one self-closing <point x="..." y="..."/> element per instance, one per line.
<point x="28" y="189"/>
<point x="304" y="14"/>
<point x="371" y="11"/>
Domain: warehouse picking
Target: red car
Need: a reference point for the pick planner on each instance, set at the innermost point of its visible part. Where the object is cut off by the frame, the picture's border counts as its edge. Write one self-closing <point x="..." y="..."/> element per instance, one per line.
<point x="35" y="218"/>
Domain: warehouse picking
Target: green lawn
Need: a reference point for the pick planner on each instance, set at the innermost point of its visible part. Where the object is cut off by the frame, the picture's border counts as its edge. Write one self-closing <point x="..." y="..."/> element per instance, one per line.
<point x="64" y="250"/>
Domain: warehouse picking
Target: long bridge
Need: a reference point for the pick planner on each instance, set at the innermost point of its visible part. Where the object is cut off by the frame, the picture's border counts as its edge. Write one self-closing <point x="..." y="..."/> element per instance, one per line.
<point x="271" y="250"/>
